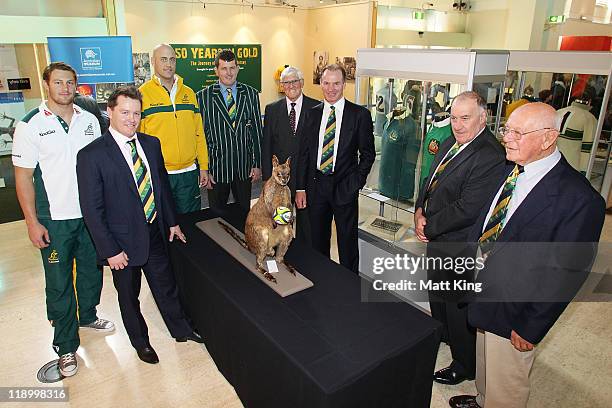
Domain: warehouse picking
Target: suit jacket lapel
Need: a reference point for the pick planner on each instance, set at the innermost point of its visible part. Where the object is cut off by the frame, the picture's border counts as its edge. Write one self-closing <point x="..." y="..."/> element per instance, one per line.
<point x="113" y="151"/>
<point x="539" y="199"/>
<point x="317" y="117"/>
<point x="346" y="130"/>
<point x="461" y="157"/>
<point x="220" y="102"/>
<point x="240" y="101"/>
<point x="283" y="118"/>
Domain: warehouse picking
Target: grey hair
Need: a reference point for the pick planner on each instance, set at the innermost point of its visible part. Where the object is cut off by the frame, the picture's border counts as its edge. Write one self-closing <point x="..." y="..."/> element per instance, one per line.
<point x="291" y="71"/>
<point x="476" y="97"/>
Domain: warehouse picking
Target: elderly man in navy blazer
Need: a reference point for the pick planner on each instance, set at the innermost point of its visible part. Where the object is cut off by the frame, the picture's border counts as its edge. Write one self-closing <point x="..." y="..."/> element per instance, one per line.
<point x="538" y="237"/>
<point x="127" y="206"/>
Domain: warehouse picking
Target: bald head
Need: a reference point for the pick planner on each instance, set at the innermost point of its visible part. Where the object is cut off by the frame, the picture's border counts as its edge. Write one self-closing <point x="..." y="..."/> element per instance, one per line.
<point x="538" y="115"/>
<point x="532" y="133"/>
<point x="164" y="64"/>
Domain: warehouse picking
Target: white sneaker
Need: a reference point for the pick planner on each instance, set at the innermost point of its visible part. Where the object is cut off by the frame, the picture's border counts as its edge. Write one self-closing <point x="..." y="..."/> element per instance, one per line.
<point x="102" y="325"/>
<point x="68" y="364"/>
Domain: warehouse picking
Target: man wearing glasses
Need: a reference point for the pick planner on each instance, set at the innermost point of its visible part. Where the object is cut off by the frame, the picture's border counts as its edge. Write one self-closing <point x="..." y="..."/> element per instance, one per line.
<point x="538" y="234"/>
<point x="283" y="128"/>
<point x="461" y="180"/>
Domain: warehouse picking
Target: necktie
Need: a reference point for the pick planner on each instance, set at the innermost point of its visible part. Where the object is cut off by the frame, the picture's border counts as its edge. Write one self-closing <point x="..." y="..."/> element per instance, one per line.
<point x="434" y="180"/>
<point x="143" y="182"/>
<point x="327" y="151"/>
<point x="498" y="216"/>
<point x="292" y="118"/>
<point x="231" y="107"/>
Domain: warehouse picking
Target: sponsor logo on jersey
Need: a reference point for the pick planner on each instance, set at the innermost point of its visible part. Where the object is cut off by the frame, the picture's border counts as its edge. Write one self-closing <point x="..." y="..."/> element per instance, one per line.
<point x="47" y="113"/>
<point x="54" y="257"/>
<point x="89" y="131"/>
<point x="185" y="98"/>
<point x="48" y="132"/>
<point x="433" y="146"/>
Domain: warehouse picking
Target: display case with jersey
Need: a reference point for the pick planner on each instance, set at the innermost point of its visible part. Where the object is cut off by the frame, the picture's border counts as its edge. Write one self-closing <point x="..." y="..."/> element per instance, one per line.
<point x="419" y="84"/>
<point x="577" y="85"/>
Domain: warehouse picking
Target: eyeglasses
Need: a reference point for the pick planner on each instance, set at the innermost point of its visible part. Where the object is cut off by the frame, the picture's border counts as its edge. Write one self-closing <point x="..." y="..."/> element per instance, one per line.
<point x="291" y="83"/>
<point x="515" y="134"/>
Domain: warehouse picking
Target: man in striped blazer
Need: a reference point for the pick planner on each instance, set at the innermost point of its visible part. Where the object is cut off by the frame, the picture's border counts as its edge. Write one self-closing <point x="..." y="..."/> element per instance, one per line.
<point x="232" y="125"/>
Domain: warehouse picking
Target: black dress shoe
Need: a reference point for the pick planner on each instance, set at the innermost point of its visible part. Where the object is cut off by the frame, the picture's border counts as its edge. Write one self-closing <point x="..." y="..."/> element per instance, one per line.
<point x="448" y="376"/>
<point x="148" y="355"/>
<point x="463" y="401"/>
<point x="193" y="336"/>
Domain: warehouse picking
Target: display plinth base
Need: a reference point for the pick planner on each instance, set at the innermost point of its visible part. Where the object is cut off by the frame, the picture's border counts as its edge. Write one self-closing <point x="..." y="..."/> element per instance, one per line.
<point x="286" y="283"/>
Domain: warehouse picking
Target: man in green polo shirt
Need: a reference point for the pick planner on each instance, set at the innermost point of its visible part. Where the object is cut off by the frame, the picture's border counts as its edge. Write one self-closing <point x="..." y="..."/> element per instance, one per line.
<point x="45" y="147"/>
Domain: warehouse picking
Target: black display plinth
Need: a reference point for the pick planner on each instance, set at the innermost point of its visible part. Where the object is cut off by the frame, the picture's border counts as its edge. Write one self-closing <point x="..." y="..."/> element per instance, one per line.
<point x="322" y="347"/>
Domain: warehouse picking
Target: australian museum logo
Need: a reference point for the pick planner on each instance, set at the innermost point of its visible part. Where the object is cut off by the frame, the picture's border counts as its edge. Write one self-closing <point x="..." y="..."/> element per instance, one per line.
<point x="91" y="58"/>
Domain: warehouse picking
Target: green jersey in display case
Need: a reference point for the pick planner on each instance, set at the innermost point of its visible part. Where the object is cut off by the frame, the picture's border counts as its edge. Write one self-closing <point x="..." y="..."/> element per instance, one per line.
<point x="399" y="153"/>
<point x="438" y="133"/>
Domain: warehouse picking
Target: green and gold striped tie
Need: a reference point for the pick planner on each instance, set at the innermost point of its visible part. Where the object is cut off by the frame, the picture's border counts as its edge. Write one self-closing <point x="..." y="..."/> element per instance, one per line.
<point x="498" y="216"/>
<point x="143" y="182"/>
<point x="434" y="180"/>
<point x="231" y="107"/>
<point x="327" y="151"/>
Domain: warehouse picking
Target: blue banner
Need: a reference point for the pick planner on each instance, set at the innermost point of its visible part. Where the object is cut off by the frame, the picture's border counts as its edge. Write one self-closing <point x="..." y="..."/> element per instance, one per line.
<point x="95" y="59"/>
<point x="11" y="97"/>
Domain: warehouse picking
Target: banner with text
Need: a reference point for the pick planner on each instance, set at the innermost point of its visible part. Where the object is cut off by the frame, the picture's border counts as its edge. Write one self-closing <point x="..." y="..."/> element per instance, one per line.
<point x="95" y="59"/>
<point x="196" y="63"/>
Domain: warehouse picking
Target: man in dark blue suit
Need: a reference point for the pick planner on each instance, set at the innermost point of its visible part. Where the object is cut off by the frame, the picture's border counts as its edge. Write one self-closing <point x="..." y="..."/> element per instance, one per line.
<point x="336" y="155"/>
<point x="538" y="238"/>
<point x="127" y="206"/>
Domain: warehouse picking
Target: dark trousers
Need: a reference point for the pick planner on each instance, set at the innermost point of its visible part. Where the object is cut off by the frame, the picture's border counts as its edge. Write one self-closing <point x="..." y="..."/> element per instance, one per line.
<point x="321" y="210"/>
<point x="302" y="225"/>
<point x="163" y="287"/>
<point x="456" y="331"/>
<point x="241" y="190"/>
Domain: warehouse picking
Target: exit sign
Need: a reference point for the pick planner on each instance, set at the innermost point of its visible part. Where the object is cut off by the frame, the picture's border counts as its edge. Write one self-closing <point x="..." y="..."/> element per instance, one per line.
<point x="556" y="19"/>
<point x="418" y="15"/>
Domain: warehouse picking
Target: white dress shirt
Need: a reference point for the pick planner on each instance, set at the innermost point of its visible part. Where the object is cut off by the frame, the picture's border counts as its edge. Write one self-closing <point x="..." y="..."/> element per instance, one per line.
<point x="126" y="149"/>
<point x="298" y="108"/>
<point x="339" y="107"/>
<point x="526" y="181"/>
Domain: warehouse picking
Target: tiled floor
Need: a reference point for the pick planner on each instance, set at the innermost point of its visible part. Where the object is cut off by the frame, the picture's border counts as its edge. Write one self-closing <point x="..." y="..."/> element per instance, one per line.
<point x="573" y="369"/>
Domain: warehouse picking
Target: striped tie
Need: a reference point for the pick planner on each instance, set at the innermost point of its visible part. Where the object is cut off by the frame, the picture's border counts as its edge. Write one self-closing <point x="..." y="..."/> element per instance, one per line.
<point x="498" y="216"/>
<point x="231" y="107"/>
<point x="327" y="151"/>
<point x="434" y="180"/>
<point x="143" y="183"/>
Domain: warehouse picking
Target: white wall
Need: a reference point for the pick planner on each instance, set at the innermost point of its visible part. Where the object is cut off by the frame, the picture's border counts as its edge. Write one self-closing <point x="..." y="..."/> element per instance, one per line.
<point x="488" y="28"/>
<point x="340" y="30"/>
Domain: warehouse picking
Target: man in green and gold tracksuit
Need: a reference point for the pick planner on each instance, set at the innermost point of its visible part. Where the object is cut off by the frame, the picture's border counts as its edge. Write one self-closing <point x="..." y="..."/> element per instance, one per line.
<point x="45" y="147"/>
<point x="170" y="113"/>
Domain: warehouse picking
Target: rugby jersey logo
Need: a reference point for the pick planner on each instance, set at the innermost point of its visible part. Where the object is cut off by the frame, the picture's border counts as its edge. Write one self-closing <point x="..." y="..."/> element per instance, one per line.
<point x="89" y="131"/>
<point x="48" y="132"/>
<point x="54" y="257"/>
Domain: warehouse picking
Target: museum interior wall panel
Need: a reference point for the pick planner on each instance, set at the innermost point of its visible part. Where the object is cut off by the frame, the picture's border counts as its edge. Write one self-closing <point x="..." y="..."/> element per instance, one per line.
<point x="41" y="27"/>
<point x="335" y="31"/>
<point x="52" y="8"/>
<point x="488" y="29"/>
<point x="280" y="32"/>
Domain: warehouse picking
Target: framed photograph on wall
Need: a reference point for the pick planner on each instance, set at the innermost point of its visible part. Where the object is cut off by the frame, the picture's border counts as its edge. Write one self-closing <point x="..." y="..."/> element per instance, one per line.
<point x="350" y="65"/>
<point x="319" y="61"/>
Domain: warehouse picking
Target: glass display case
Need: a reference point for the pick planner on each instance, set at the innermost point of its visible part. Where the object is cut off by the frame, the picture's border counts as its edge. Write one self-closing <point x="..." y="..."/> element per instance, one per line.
<point x="577" y="84"/>
<point x="409" y="93"/>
